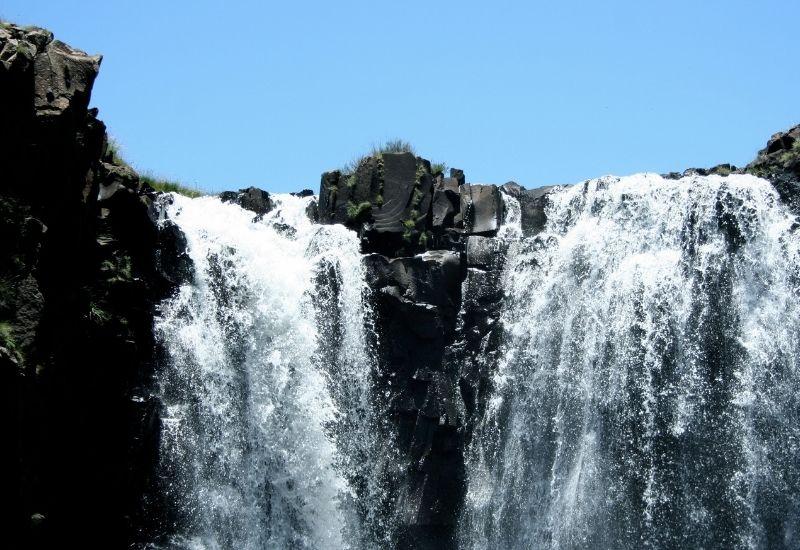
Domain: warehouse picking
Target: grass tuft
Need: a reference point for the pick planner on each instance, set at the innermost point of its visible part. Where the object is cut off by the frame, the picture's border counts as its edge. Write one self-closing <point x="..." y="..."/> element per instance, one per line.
<point x="167" y="186"/>
<point x="438" y="168"/>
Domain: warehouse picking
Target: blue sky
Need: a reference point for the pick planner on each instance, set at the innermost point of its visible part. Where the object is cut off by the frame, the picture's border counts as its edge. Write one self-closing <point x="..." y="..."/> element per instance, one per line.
<point x="223" y="95"/>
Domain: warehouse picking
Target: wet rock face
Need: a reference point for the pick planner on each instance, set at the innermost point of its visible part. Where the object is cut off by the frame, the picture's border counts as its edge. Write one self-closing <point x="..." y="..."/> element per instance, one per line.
<point x="532" y="204"/>
<point x="417" y="300"/>
<point x="84" y="259"/>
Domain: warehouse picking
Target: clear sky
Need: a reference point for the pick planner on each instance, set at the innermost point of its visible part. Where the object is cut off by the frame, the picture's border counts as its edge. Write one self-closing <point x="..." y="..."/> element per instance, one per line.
<point x="229" y="94"/>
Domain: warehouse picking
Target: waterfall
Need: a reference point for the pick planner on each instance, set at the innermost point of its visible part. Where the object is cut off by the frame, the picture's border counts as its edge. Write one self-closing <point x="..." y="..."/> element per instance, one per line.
<point x="511" y="228"/>
<point x="648" y="394"/>
<point x="267" y="431"/>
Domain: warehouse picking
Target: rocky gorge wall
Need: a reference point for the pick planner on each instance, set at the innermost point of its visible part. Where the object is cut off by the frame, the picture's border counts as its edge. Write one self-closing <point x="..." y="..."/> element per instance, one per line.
<point x="86" y="256"/>
<point x="82" y="265"/>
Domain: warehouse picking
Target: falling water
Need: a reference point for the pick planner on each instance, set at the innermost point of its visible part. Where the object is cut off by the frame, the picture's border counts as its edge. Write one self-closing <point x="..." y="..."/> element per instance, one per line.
<point x="266" y="436"/>
<point x="649" y="393"/>
<point x="511" y="228"/>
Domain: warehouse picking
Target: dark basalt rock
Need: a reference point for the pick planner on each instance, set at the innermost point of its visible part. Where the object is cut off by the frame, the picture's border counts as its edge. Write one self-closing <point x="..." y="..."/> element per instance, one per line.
<point x="532" y="205"/>
<point x="253" y="199"/>
<point x="387" y="200"/>
<point x="63" y="79"/>
<point x="779" y="162"/>
<point x="312" y="210"/>
<point x="481" y="207"/>
<point x="482" y="252"/>
<point x="399" y="208"/>
<point x="416" y="304"/>
<point x="446" y="203"/>
<point x="83" y="263"/>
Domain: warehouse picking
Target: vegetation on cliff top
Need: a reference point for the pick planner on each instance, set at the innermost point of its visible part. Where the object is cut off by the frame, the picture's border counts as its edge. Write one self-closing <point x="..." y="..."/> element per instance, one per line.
<point x="164" y="185"/>
<point x="167" y="186"/>
<point x="390" y="146"/>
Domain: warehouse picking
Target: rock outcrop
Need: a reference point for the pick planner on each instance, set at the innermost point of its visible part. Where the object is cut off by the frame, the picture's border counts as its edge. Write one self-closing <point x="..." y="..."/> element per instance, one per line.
<point x="83" y="261"/>
<point x="254" y="199"/>
<point x="779" y="162"/>
<point x="434" y="263"/>
<point x="399" y="207"/>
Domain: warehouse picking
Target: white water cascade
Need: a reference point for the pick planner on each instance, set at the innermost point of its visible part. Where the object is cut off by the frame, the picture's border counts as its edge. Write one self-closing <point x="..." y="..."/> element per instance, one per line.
<point x="649" y="391"/>
<point x="267" y="432"/>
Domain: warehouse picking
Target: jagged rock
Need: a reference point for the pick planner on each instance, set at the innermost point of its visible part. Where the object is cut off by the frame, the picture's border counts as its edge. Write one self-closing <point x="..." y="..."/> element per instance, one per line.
<point x="19" y="46"/>
<point x="779" y="162"/>
<point x="417" y="302"/>
<point x="328" y="195"/>
<point x="431" y="278"/>
<point x="252" y="198"/>
<point x="482" y="207"/>
<point x="114" y="178"/>
<point x="387" y="199"/>
<point x="532" y="204"/>
<point x="304" y="193"/>
<point x="312" y="210"/>
<point x="458" y="175"/>
<point x="63" y="79"/>
<point x="171" y="256"/>
<point x="83" y="264"/>
<point x="446" y="203"/>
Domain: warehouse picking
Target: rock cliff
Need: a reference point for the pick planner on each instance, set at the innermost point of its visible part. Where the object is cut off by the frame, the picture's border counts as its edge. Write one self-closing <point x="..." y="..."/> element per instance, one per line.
<point x="83" y="261"/>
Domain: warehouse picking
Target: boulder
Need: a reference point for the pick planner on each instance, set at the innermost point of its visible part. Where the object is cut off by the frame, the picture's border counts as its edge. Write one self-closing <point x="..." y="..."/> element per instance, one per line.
<point x="252" y="199"/>
<point x="432" y="278"/>
<point x="458" y="175"/>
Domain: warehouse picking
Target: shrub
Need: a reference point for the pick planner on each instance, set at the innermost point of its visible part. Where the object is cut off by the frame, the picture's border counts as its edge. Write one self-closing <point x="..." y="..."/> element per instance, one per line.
<point x="438" y="168"/>
<point x="354" y="211"/>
